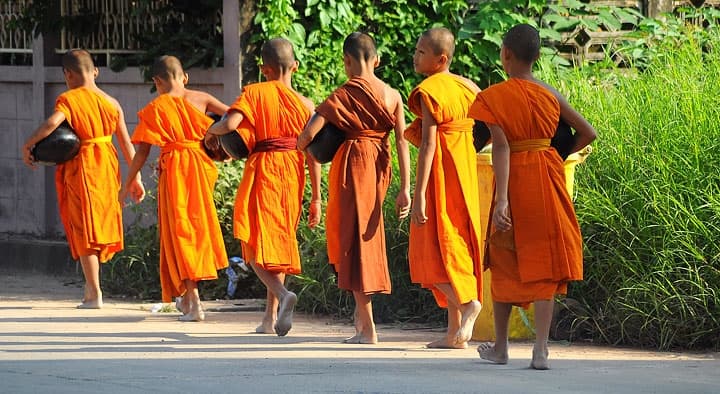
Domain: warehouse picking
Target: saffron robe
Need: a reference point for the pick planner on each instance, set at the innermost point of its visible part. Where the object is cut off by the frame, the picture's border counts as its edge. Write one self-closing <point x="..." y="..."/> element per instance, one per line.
<point x="191" y="243"/>
<point x="357" y="183"/>
<point x="88" y="185"/>
<point x="543" y="250"/>
<point x="446" y="249"/>
<point x="269" y="197"/>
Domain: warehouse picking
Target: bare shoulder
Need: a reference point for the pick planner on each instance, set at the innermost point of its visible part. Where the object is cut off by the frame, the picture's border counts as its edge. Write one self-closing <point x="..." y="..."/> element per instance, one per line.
<point x="197" y="95"/>
<point x="552" y="90"/>
<point x="467" y="81"/>
<point x="306" y="101"/>
<point x="109" y="98"/>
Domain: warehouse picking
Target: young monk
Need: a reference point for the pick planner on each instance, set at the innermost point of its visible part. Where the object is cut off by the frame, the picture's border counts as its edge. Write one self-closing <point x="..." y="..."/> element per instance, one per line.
<point x="191" y="244"/>
<point x="535" y="247"/>
<point x="87" y="185"/>
<point x="270" y="115"/>
<point x="366" y="110"/>
<point x="444" y="240"/>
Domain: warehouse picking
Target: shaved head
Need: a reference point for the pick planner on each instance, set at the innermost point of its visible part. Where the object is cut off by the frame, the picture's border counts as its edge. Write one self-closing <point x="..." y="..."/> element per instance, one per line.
<point x="278" y="53"/>
<point x="360" y="46"/>
<point x="78" y="60"/>
<point x="441" y="41"/>
<point x="524" y="42"/>
<point x="167" y="68"/>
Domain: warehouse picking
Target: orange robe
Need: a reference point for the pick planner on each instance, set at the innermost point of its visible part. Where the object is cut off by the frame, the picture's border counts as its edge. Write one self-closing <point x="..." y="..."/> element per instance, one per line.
<point x="543" y="251"/>
<point x="191" y="244"/>
<point x="446" y="249"/>
<point x="88" y="185"/>
<point x="269" y="197"/>
<point x="357" y="183"/>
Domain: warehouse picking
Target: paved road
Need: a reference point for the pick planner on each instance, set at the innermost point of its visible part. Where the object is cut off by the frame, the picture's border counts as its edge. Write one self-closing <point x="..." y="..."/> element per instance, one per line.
<point x="48" y="346"/>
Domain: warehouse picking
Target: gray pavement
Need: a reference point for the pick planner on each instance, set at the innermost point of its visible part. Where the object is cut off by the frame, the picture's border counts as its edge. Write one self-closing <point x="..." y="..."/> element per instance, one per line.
<point x="48" y="346"/>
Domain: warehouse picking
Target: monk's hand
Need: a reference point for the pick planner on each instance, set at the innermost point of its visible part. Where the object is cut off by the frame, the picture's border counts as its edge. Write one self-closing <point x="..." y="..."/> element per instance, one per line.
<point x="402" y="204"/>
<point x="212" y="141"/>
<point x="315" y="210"/>
<point x="122" y="195"/>
<point x="28" y="158"/>
<point x="501" y="216"/>
<point x="137" y="191"/>
<point x="417" y="215"/>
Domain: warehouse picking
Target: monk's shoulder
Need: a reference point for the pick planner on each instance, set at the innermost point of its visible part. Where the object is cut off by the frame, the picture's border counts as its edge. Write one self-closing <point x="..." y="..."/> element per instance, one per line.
<point x="110" y="100"/>
<point x="306" y="102"/>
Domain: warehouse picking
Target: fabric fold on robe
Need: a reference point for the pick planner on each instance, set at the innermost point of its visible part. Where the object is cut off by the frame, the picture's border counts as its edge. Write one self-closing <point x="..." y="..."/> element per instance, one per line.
<point x="88" y="185"/>
<point x="191" y="242"/>
<point x="269" y="197"/>
<point x="446" y="249"/>
<point x="357" y="184"/>
<point x="543" y="251"/>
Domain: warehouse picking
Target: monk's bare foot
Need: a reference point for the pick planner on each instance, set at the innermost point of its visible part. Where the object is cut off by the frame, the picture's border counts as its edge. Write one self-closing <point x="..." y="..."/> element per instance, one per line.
<point x="97" y="303"/>
<point x="195" y="313"/>
<point x="360" y="339"/>
<point x="285" y="314"/>
<point x="443" y="343"/>
<point x="488" y="352"/>
<point x="540" y="360"/>
<point x="265" y="328"/>
<point x="469" y="312"/>
<point x="181" y="305"/>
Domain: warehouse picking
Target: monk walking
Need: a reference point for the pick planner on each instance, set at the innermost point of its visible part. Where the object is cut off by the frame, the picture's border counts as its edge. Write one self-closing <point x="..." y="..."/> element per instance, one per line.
<point x="366" y="110"/>
<point x="535" y="247"/>
<point x="87" y="185"/>
<point x="191" y="244"/>
<point x="444" y="243"/>
<point x="269" y="116"/>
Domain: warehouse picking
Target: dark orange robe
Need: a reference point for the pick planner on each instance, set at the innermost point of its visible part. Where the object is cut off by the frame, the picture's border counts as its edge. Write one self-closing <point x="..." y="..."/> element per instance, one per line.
<point x="446" y="249"/>
<point x="543" y="251"/>
<point x="357" y="183"/>
<point x="88" y="185"/>
<point x="268" y="203"/>
<point x="191" y="243"/>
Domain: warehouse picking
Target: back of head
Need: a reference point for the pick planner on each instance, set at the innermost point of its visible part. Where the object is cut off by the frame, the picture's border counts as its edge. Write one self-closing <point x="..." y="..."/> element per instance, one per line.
<point x="278" y="53"/>
<point x="360" y="46"/>
<point x="524" y="42"/>
<point x="167" y="68"/>
<point x="78" y="60"/>
<point x="441" y="41"/>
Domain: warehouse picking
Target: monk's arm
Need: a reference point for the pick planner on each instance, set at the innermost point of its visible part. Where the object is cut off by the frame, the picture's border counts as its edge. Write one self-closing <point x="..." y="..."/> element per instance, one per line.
<point x="315" y="209"/>
<point x="215" y="106"/>
<point x="228" y="124"/>
<point x="44" y="130"/>
<point x="136" y="188"/>
<point x="424" y="163"/>
<point x="501" y="168"/>
<point x="402" y="202"/>
<point x="584" y="132"/>
<point x="312" y="127"/>
<point x="141" y="155"/>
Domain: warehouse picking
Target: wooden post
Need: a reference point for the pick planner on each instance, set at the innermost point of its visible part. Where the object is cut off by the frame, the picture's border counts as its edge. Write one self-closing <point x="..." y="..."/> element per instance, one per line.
<point x="657" y="7"/>
<point x="232" y="58"/>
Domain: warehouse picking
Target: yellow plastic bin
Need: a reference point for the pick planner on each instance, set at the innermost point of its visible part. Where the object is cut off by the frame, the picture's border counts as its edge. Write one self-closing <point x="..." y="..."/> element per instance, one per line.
<point x="484" y="326"/>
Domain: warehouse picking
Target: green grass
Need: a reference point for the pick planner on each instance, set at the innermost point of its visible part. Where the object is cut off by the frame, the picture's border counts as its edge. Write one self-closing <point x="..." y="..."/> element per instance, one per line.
<point x="647" y="200"/>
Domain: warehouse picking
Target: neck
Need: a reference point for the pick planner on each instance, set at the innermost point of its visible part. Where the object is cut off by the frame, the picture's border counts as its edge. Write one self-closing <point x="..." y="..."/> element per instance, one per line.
<point x="362" y="70"/>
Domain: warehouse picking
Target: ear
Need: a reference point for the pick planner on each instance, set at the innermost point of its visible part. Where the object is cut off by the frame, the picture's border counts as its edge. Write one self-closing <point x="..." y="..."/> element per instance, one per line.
<point x="295" y="66"/>
<point x="265" y="70"/>
<point x="376" y="63"/>
<point x="444" y="59"/>
<point x="96" y="72"/>
<point x="185" y="78"/>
